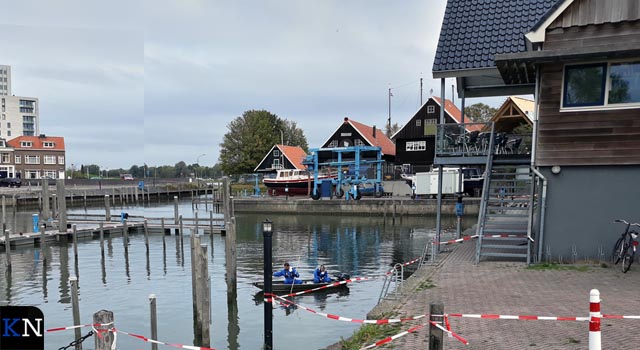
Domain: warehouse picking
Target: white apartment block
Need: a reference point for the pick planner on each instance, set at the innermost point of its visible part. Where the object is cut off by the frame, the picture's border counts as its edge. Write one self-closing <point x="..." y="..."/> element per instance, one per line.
<point x="20" y="115"/>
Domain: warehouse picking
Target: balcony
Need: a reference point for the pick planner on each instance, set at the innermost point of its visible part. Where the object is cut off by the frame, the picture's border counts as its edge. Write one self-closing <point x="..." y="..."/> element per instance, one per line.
<point x="472" y="143"/>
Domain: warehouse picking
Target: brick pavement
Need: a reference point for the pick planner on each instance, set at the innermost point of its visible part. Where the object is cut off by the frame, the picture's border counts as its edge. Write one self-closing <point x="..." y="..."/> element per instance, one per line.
<point x="510" y="288"/>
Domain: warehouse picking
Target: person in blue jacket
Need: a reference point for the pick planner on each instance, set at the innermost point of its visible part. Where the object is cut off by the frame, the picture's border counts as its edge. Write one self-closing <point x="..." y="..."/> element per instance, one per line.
<point x="289" y="274"/>
<point x="321" y="275"/>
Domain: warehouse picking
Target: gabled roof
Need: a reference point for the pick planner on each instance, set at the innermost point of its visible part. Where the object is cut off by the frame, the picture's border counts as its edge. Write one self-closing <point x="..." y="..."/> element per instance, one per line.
<point x="36" y="142"/>
<point x="526" y="106"/>
<point x="295" y="155"/>
<point x="474" y="31"/>
<point x="455" y="113"/>
<point x="381" y="140"/>
<point x="507" y="118"/>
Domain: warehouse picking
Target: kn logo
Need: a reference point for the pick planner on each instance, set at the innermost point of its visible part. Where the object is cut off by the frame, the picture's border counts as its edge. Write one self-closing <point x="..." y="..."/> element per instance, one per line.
<point x="21" y="328"/>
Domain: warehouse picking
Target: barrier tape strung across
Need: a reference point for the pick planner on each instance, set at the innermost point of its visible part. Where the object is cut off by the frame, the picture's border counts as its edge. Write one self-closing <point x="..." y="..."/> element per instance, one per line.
<point x="459" y="240"/>
<point x="520" y="317"/>
<point x="78" y="326"/>
<point x="621" y="317"/>
<point x="179" y="346"/>
<point x="412" y="330"/>
<point x="345" y="319"/>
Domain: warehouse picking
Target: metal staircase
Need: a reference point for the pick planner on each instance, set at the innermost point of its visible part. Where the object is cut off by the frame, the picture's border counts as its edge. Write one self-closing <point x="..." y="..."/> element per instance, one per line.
<point x="504" y="222"/>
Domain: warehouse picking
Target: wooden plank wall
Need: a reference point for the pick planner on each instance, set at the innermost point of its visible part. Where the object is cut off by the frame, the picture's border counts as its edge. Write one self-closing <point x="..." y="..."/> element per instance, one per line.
<point x="585" y="12"/>
<point x="593" y="35"/>
<point x="610" y="137"/>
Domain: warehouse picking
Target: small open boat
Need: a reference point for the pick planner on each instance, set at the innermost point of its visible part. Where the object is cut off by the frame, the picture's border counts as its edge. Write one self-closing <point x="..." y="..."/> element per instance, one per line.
<point x="281" y="287"/>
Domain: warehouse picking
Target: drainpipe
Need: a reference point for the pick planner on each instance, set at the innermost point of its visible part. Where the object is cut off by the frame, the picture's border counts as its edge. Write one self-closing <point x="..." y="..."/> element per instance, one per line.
<point x="543" y="207"/>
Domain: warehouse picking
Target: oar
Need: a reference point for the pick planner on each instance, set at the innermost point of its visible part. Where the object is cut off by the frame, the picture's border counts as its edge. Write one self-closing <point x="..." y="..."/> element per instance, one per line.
<point x="294" y="278"/>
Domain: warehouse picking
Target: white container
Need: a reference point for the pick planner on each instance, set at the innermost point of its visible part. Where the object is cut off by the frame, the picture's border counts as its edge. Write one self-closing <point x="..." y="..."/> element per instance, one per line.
<point x="427" y="183"/>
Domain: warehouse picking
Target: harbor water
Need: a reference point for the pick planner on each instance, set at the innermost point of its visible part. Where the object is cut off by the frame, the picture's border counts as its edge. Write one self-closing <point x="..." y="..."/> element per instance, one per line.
<point x="359" y="246"/>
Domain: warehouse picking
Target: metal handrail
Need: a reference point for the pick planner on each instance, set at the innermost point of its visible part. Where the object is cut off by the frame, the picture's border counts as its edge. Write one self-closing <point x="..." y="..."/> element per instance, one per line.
<point x="543" y="204"/>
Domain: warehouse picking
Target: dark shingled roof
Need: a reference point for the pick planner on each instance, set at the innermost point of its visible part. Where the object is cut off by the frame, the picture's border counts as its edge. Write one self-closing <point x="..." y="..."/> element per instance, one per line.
<point x="473" y="31"/>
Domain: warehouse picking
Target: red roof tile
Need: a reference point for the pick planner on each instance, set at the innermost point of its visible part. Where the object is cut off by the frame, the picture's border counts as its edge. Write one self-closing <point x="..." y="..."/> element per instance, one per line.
<point x="381" y="140"/>
<point x="456" y="114"/>
<point x="36" y="141"/>
<point x="295" y="154"/>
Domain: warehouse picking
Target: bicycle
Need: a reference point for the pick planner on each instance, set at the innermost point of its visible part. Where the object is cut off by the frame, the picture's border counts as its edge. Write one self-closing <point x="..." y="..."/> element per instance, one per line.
<point x="625" y="247"/>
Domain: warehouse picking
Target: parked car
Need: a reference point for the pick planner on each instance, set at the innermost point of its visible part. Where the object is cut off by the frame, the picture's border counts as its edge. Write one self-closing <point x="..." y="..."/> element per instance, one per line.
<point x="10" y="182"/>
<point x="126" y="177"/>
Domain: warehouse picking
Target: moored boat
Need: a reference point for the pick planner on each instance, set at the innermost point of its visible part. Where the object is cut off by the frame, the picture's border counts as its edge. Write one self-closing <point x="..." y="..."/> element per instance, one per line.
<point x="292" y="182"/>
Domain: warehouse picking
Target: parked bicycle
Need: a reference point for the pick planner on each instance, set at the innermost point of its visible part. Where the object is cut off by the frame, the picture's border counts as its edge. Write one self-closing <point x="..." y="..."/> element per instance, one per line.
<point x="625" y="248"/>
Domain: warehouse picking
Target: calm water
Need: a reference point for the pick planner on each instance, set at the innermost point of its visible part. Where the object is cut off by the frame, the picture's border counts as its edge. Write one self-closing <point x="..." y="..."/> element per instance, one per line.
<point x="360" y="246"/>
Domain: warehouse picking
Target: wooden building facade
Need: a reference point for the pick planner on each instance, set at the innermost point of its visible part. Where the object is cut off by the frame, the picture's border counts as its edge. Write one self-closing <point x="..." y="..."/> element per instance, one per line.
<point x="282" y="157"/>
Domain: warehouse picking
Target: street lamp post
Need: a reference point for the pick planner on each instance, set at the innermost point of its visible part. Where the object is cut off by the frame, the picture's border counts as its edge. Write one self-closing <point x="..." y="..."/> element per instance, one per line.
<point x="196" y="168"/>
<point x="267" y="233"/>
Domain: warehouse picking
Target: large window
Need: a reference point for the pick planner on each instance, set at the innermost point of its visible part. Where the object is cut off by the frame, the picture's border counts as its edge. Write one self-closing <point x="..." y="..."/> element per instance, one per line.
<point x="613" y="84"/>
<point x="61" y="160"/>
<point x="413" y="146"/>
<point x="49" y="159"/>
<point x="32" y="159"/>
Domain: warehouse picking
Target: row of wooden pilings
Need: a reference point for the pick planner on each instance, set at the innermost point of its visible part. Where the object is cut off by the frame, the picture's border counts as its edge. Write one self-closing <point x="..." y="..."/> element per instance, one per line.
<point x="201" y="282"/>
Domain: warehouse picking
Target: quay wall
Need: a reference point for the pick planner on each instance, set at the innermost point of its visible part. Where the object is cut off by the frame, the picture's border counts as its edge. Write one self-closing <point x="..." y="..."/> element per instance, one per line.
<point x="364" y="207"/>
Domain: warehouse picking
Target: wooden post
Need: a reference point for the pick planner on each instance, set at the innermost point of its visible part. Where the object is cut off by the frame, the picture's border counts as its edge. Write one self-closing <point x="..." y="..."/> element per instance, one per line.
<point x="101" y="228"/>
<point x="75" y="241"/>
<point x="211" y="226"/>
<point x="135" y="193"/>
<point x="146" y="235"/>
<point x="230" y="257"/>
<point x="196" y="223"/>
<point x="197" y="321"/>
<point x="164" y="243"/>
<point x="154" y="321"/>
<point x="43" y="241"/>
<point x="113" y="196"/>
<point x="75" y="306"/>
<point x="84" y="199"/>
<point x="7" y="243"/>
<point x="106" y="339"/>
<point x="393" y="221"/>
<point x="176" y="216"/>
<point x="125" y="233"/>
<point x="46" y="211"/>
<point x="62" y="206"/>
<point x="4" y="210"/>
<point x="205" y="295"/>
<point x="107" y="208"/>
<point x="180" y="229"/>
<point x="436" y="338"/>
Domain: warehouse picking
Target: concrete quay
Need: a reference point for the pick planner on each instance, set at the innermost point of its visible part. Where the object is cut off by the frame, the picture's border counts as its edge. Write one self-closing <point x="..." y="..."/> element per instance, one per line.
<point x="512" y="288"/>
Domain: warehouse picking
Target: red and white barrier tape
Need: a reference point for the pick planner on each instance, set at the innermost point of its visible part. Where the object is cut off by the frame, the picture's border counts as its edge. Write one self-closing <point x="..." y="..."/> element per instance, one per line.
<point x="179" y="346"/>
<point x="621" y="317"/>
<point x="520" y="317"/>
<point x="330" y="285"/>
<point x="78" y="326"/>
<point x="412" y="330"/>
<point x="345" y="319"/>
<point x="459" y="240"/>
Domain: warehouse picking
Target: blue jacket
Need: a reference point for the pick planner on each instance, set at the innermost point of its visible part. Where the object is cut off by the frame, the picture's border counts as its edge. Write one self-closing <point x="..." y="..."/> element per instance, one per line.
<point x="289" y="275"/>
<point x="319" y="276"/>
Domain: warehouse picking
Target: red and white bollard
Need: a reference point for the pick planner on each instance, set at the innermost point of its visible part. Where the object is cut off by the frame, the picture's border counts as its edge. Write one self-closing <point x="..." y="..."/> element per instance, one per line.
<point x="594" y="322"/>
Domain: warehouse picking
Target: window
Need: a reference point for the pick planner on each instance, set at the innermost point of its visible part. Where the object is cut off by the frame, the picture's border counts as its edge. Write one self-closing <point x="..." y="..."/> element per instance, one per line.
<point x="8" y="132"/>
<point x="48" y="144"/>
<point x="418" y="122"/>
<point x="8" y="125"/>
<point x="61" y="160"/>
<point x="49" y="174"/>
<point x="334" y="143"/>
<point x="18" y="160"/>
<point x="6" y="158"/>
<point x="413" y="146"/>
<point x="49" y="159"/>
<point x="26" y="144"/>
<point x="276" y="153"/>
<point x="611" y="84"/>
<point x="431" y="109"/>
<point x="32" y="159"/>
<point x="358" y="142"/>
<point x="276" y="164"/>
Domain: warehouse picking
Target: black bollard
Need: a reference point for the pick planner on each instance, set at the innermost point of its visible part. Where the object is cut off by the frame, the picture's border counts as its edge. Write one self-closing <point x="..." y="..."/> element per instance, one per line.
<point x="267" y="232"/>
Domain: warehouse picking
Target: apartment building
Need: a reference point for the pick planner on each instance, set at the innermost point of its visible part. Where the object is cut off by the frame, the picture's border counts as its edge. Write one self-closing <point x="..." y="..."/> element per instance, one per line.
<point x="19" y="115"/>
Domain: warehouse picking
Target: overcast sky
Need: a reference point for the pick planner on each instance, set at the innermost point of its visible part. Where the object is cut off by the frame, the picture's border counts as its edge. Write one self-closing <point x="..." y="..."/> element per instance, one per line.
<point x="156" y="82"/>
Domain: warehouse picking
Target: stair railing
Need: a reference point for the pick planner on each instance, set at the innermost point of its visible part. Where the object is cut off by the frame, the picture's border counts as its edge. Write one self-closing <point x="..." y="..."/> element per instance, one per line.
<point x="542" y="203"/>
<point x="485" y="193"/>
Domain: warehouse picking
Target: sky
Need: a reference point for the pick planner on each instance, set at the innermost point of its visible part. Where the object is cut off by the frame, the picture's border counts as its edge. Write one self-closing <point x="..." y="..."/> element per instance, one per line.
<point x="157" y="82"/>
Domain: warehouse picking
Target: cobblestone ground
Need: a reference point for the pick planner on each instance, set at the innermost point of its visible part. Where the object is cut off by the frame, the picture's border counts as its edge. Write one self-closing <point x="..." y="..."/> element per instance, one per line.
<point x="510" y="288"/>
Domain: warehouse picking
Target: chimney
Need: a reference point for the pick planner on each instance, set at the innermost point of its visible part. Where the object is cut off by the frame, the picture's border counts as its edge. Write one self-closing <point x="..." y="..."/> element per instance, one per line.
<point x="374" y="131"/>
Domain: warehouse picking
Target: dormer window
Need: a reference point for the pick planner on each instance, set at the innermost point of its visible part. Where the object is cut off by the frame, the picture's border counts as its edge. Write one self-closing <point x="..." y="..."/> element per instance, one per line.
<point x="276" y="153"/>
<point x="48" y="144"/>
<point x="26" y="144"/>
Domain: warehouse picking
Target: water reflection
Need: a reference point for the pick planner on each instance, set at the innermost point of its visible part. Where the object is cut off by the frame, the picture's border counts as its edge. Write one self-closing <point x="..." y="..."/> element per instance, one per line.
<point x="65" y="297"/>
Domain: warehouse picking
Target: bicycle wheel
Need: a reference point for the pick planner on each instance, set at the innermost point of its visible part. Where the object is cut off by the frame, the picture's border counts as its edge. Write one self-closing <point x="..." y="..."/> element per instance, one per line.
<point x="617" y="251"/>
<point x="627" y="260"/>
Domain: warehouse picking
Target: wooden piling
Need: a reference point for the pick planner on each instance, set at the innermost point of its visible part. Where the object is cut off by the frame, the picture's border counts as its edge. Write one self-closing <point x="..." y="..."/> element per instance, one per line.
<point x="75" y="241"/>
<point x="43" y="241"/>
<point x="164" y="243"/>
<point x="154" y="320"/>
<point x="195" y="244"/>
<point x="436" y="336"/>
<point x="101" y="229"/>
<point x="146" y="235"/>
<point x="107" y="338"/>
<point x="211" y="226"/>
<point x="84" y="199"/>
<point x="107" y="208"/>
<point x="175" y="210"/>
<point x="113" y="196"/>
<point x="7" y="244"/>
<point x="4" y="210"/>
<point x="197" y="229"/>
<point x="205" y="295"/>
<point x="230" y="258"/>
<point x="125" y="233"/>
<point x="62" y="206"/>
<point x="394" y="213"/>
<point x="135" y="194"/>
<point x="46" y="210"/>
<point x="75" y="306"/>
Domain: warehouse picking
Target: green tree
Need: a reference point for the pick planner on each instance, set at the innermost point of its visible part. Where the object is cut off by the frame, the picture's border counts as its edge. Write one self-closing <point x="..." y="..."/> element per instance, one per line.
<point x="251" y="136"/>
<point x="479" y="113"/>
<point x="394" y="129"/>
<point x="180" y="169"/>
